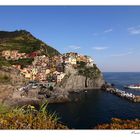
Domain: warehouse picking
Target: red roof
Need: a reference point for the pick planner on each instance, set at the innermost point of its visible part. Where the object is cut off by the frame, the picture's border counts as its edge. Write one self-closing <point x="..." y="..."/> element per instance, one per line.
<point x="32" y="55"/>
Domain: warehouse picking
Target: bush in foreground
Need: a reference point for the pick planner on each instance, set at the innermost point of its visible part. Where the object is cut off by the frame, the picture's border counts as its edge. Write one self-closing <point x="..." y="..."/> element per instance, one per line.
<point x="120" y="124"/>
<point x="27" y="117"/>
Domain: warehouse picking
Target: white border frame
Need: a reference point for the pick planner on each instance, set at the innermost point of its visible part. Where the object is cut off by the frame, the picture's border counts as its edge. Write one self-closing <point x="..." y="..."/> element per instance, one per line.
<point x="70" y="2"/>
<point x="70" y="134"/>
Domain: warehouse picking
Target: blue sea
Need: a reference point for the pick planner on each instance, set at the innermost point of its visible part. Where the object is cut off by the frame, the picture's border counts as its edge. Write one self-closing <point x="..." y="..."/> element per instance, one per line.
<point x="97" y="107"/>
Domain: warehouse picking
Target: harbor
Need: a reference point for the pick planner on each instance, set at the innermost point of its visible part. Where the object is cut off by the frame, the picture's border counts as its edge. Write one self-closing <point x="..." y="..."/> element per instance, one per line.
<point x="121" y="93"/>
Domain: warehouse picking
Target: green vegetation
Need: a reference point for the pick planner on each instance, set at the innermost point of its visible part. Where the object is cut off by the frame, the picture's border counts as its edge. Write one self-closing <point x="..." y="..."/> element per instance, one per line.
<point x="24" y="42"/>
<point x="51" y="51"/>
<point x="89" y="72"/>
<point x="28" y="117"/>
<point x="120" y="124"/>
<point x="4" y="62"/>
<point x="23" y="62"/>
<point x="81" y="64"/>
<point x="4" y="79"/>
<point x="28" y="46"/>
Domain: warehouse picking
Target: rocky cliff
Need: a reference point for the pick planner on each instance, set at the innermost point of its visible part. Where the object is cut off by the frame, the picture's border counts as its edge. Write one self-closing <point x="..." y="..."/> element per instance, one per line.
<point x="82" y="78"/>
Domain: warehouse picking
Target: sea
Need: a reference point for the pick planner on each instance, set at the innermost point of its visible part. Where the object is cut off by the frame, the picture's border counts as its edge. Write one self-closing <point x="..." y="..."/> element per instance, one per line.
<point x="97" y="107"/>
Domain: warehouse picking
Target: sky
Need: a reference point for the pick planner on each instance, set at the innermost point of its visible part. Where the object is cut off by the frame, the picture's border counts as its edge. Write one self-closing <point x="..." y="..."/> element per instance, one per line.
<point x="109" y="34"/>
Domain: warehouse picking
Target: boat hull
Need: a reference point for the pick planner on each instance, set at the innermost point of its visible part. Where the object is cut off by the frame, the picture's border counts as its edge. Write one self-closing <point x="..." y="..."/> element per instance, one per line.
<point x="132" y="87"/>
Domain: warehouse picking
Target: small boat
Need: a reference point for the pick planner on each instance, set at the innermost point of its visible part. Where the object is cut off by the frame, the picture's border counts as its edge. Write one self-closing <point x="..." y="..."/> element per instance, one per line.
<point x="134" y="86"/>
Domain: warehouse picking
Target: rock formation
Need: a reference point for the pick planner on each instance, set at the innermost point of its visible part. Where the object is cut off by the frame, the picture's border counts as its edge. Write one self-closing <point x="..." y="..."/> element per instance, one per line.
<point x="74" y="80"/>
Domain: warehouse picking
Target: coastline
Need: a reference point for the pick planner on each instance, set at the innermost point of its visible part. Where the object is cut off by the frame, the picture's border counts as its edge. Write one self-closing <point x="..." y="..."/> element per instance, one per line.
<point x="59" y="95"/>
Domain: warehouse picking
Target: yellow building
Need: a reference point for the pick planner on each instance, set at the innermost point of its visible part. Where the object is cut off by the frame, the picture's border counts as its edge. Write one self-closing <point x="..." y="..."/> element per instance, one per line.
<point x="6" y="54"/>
<point x="72" y="60"/>
<point x="28" y="75"/>
<point x="47" y="71"/>
<point x="13" y="54"/>
<point x="34" y="71"/>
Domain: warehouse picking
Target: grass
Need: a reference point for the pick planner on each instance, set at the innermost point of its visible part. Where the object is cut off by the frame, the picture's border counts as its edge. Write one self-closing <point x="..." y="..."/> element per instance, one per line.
<point x="28" y="117"/>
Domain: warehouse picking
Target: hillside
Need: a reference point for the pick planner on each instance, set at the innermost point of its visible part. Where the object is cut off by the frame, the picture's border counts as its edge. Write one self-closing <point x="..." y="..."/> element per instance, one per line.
<point x="25" y="42"/>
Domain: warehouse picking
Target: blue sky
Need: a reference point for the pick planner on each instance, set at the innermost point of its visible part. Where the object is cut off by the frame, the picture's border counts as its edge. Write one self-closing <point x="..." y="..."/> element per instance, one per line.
<point x="110" y="35"/>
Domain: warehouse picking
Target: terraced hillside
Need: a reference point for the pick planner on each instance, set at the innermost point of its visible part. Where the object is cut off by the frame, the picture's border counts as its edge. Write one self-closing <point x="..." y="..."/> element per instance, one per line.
<point x="24" y="41"/>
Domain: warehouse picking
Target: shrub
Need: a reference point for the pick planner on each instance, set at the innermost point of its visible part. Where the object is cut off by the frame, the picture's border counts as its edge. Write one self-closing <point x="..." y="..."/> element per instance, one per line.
<point x="4" y="79"/>
<point x="89" y="72"/>
<point x="51" y="88"/>
<point x="28" y="117"/>
<point x="120" y="124"/>
<point x="23" y="62"/>
<point x="3" y="62"/>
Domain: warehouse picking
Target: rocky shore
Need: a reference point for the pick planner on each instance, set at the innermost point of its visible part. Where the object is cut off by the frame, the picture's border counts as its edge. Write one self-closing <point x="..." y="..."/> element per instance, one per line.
<point x="12" y="96"/>
<point x="123" y="94"/>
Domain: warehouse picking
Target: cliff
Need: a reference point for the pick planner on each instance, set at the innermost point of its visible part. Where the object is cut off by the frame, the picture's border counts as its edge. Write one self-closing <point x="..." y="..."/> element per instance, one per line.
<point x="82" y="78"/>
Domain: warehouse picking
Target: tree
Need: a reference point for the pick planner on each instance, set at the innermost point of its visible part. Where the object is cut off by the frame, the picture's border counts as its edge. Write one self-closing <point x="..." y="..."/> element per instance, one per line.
<point x="81" y="64"/>
<point x="51" y="88"/>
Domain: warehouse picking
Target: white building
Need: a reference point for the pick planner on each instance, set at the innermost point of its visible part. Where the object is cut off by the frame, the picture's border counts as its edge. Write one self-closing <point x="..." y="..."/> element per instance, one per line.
<point x="72" y="60"/>
<point x="90" y="62"/>
<point x="60" y="77"/>
<point x="47" y="71"/>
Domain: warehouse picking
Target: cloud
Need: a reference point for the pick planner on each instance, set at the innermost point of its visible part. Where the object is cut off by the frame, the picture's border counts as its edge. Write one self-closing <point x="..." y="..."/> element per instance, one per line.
<point x="101" y="33"/>
<point x="99" y="48"/>
<point x="74" y="47"/>
<point x="134" y="30"/>
<point x="108" y="30"/>
<point x="122" y="54"/>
